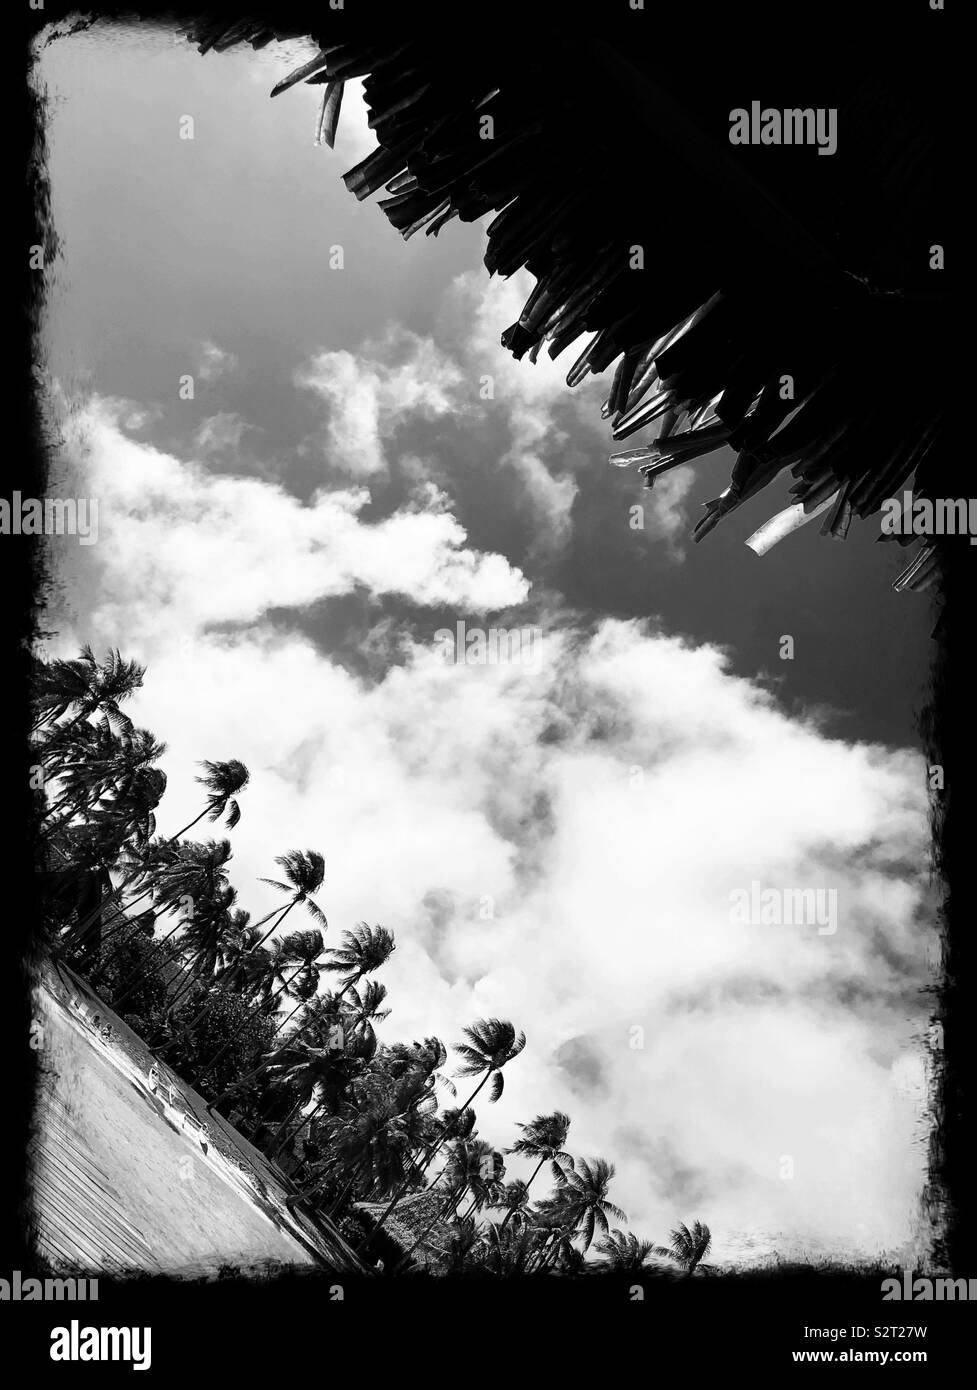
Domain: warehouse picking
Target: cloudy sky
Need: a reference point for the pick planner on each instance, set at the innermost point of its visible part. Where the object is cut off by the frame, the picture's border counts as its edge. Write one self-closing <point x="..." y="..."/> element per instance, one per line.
<point x="555" y="844"/>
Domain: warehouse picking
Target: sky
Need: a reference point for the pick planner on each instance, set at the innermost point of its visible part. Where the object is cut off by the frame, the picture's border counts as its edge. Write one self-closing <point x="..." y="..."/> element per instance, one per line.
<point x="361" y="466"/>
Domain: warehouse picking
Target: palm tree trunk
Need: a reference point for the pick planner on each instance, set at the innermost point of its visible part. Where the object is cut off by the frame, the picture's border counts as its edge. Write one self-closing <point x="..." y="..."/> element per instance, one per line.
<point x="337" y="1206"/>
<point x="276" y="1139"/>
<point x="512" y="1211"/>
<point x="274" y="926"/>
<point x="311" y="1116"/>
<point x="141" y="970"/>
<point x="73" y="936"/>
<point x="125" y="883"/>
<point x="434" y="1151"/>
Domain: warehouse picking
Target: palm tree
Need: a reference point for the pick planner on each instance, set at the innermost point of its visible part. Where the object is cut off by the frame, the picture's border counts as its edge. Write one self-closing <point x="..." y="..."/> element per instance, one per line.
<point x="305" y="947"/>
<point x="515" y="1201"/>
<point x="475" y="1167"/>
<point x="510" y="1252"/>
<point x="374" y="1135"/>
<point x="362" y="951"/>
<point x="209" y="932"/>
<point x="461" y="1250"/>
<point x="543" y="1138"/>
<point x="623" y="1253"/>
<point x="100" y="760"/>
<point x="358" y="1014"/>
<point x="581" y="1204"/>
<point x="197" y="873"/>
<point x="224" y="782"/>
<point x="688" y="1248"/>
<point x="366" y="1009"/>
<point x="92" y="849"/>
<point x="492" y="1043"/>
<point x="315" y="1072"/>
<point x="83" y="686"/>
<point x="304" y="871"/>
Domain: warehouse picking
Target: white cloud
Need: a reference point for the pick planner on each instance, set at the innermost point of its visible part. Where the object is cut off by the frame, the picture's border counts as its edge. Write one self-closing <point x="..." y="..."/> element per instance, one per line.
<point x="218" y="434"/>
<point x="367" y="394"/>
<point x="180" y="548"/>
<point x="214" y="362"/>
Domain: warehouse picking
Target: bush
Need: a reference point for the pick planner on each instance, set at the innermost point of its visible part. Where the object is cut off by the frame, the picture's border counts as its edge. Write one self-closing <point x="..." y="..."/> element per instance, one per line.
<point x="228" y="1019"/>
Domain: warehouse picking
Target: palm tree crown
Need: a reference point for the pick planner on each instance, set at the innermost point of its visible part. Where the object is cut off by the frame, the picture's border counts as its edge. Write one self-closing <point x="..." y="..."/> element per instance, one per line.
<point x="491" y="1044"/>
<point x="688" y="1247"/>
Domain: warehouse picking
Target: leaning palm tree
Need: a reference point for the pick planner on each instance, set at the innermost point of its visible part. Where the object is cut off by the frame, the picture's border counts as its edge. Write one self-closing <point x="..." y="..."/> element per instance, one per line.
<point x="82" y="686"/>
<point x="510" y="1252"/>
<point x="224" y="782"/>
<point x="461" y="1250"/>
<point x="100" y="763"/>
<point x="363" y="950"/>
<point x="303" y="947"/>
<point x="687" y="1248"/>
<point x="582" y="1199"/>
<point x="198" y="874"/>
<point x="314" y="1074"/>
<point x="543" y="1139"/>
<point x="474" y="1167"/>
<point x="623" y="1253"/>
<point x="492" y="1043"/>
<point x="514" y="1199"/>
<point x="304" y="871"/>
<point x="355" y="1019"/>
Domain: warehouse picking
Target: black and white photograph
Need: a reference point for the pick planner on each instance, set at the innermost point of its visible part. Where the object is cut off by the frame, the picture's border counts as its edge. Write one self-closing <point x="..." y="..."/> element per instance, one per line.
<point x="488" y="641"/>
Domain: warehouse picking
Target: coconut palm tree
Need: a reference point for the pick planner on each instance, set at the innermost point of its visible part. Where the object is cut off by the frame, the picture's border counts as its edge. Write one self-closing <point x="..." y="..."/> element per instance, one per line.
<point x="355" y="1018"/>
<point x="304" y="947"/>
<point x="514" y="1200"/>
<point x="82" y="686"/>
<point x="196" y="873"/>
<point x="510" y="1252"/>
<point x="223" y="782"/>
<point x="363" y="950"/>
<point x="366" y="1009"/>
<point x="209" y="931"/>
<point x="492" y="1043"/>
<point x="373" y="1136"/>
<point x="687" y="1248"/>
<point x="543" y="1139"/>
<point x="317" y="1071"/>
<point x="460" y="1252"/>
<point x="581" y="1204"/>
<point x="101" y="760"/>
<point x="304" y="871"/>
<point x="623" y="1253"/>
<point x="475" y="1167"/>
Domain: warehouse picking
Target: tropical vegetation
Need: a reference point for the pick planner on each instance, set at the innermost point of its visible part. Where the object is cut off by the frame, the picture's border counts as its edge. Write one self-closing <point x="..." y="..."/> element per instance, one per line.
<point x="278" y="1030"/>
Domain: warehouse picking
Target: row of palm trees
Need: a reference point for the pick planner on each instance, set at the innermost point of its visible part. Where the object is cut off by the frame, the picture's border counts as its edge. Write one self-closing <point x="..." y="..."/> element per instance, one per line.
<point x="278" y="1031"/>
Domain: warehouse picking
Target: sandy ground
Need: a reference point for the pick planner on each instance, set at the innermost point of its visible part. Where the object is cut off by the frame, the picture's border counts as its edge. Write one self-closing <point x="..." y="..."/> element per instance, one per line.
<point x="197" y="1206"/>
